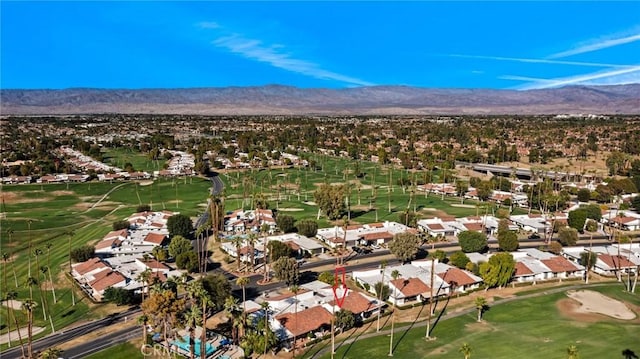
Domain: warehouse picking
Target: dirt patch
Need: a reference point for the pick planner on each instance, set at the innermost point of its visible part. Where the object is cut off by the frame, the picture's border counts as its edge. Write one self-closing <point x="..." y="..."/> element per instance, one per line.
<point x="145" y="183"/>
<point x="62" y="193"/>
<point x="12" y="197"/>
<point x="594" y="302"/>
<point x="4" y="338"/>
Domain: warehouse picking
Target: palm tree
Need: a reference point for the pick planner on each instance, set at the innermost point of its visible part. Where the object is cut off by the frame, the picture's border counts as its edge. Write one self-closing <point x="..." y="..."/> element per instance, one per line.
<point x="5" y="259"/>
<point x="12" y="295"/>
<point x="267" y="329"/>
<point x="53" y="290"/>
<point x="37" y="252"/>
<point x="143" y="320"/>
<point x="29" y="306"/>
<point x="145" y="278"/>
<point x="572" y="352"/>
<point x="237" y="242"/>
<point x="73" y="297"/>
<point x="252" y="239"/>
<point x="29" y="221"/>
<point x="44" y="270"/>
<point x="242" y="282"/>
<point x="13" y="266"/>
<point x="383" y="265"/>
<point x="481" y="306"/>
<point x="295" y="289"/>
<point x="193" y="318"/>
<point x="465" y="349"/>
<point x="394" y="274"/>
<point x="231" y="307"/>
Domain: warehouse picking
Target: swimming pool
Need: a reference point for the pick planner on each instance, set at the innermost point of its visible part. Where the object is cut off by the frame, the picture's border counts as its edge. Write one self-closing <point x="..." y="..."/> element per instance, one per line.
<point x="184" y="345"/>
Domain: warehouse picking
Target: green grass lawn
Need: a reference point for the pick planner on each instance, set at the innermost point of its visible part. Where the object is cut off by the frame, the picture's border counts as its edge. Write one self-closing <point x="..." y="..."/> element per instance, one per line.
<point x="529" y="328"/>
<point x="119" y="156"/>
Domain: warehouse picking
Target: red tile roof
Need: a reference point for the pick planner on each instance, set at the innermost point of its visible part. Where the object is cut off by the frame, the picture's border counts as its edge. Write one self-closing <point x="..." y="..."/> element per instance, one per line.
<point x="356" y="303"/>
<point x="616" y="261"/>
<point x="154" y="264"/>
<point x="305" y="321"/>
<point x="435" y="226"/>
<point x="473" y="226"/>
<point x="155" y="238"/>
<point x="108" y="243"/>
<point x="114" y="234"/>
<point x="110" y="278"/>
<point x="559" y="264"/>
<point x="377" y="235"/>
<point x="458" y="276"/>
<point x="522" y="269"/>
<point x="410" y="287"/>
<point x="86" y="267"/>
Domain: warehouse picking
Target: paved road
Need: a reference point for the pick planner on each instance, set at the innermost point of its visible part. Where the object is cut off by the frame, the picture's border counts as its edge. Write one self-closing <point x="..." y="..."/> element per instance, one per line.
<point x="65" y="335"/>
<point x="216" y="188"/>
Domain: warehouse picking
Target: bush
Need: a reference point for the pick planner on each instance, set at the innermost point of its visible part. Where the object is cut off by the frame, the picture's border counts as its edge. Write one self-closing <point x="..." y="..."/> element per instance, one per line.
<point x="285" y="223"/>
<point x="118" y="225"/>
<point x="83" y="254"/>
<point x="143" y="208"/>
<point x="119" y="296"/>
<point x="471" y="241"/>
<point x="568" y="236"/>
<point x="459" y="259"/>
<point x="180" y="225"/>
<point x="307" y="227"/>
<point x="555" y="247"/>
<point x="188" y="261"/>
<point x="508" y="241"/>
<point x="584" y="195"/>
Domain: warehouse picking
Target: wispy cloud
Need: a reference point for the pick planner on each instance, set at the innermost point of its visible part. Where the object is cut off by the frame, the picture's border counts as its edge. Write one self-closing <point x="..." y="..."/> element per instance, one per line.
<point x="276" y="56"/>
<point x="606" y="77"/>
<point x="598" y="44"/>
<point x="208" y="25"/>
<point x="539" y="61"/>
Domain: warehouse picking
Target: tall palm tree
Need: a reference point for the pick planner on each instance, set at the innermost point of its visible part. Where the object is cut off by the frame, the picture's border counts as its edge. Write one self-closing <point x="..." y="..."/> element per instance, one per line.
<point x="53" y="290"/>
<point x="242" y="282"/>
<point x="237" y="242"/>
<point x="231" y="307"/>
<point x="43" y="297"/>
<point x="465" y="349"/>
<point x="267" y="328"/>
<point x="252" y="239"/>
<point x="13" y="265"/>
<point x="145" y="278"/>
<point x="383" y="265"/>
<point x="29" y="221"/>
<point x="193" y="317"/>
<point x="395" y="275"/>
<point x="29" y="306"/>
<point x="295" y="289"/>
<point x="481" y="305"/>
<point x="13" y="295"/>
<point x="143" y="320"/>
<point x="572" y="352"/>
<point x="37" y="252"/>
<point x="431" y="309"/>
<point x="5" y="259"/>
<point x="73" y="296"/>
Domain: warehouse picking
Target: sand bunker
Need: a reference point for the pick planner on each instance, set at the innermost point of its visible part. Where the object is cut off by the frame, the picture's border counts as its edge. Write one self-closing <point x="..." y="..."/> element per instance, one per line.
<point x="594" y="302"/>
<point x="14" y="304"/>
<point x="463" y="205"/>
<point x="285" y="209"/>
<point x="4" y="338"/>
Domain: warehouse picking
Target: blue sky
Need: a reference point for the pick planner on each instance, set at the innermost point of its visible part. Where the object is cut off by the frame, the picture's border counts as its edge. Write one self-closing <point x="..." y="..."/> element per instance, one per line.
<point x="503" y="45"/>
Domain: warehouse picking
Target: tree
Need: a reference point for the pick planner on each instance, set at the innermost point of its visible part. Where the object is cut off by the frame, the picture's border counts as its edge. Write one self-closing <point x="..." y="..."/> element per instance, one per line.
<point x="118" y="225"/>
<point x="285" y="223"/>
<point x="83" y="254"/>
<point x="588" y="260"/>
<point x="498" y="271"/>
<point x="160" y="253"/>
<point x="119" y="296"/>
<point x="143" y="320"/>
<point x="187" y="261"/>
<point x="395" y="274"/>
<point x="180" y="225"/>
<point x="508" y="241"/>
<point x="584" y="195"/>
<point x="327" y="277"/>
<point x="286" y="269"/>
<point x="635" y="202"/>
<point x="218" y="288"/>
<point x="471" y="241"/>
<point x="459" y="259"/>
<point x="179" y="245"/>
<point x="51" y="353"/>
<point x="572" y="352"/>
<point x="481" y="306"/>
<point x="555" y="247"/>
<point x="163" y="307"/>
<point x="382" y="290"/>
<point x="577" y="219"/>
<point x="242" y="283"/>
<point x="307" y="227"/>
<point x="484" y="190"/>
<point x="29" y="306"/>
<point x="345" y="320"/>
<point x="568" y="236"/>
<point x="465" y="349"/>
<point x="408" y="218"/>
<point x="294" y="289"/>
<point x="331" y="200"/>
<point x="143" y="208"/>
<point x="279" y="250"/>
<point x="405" y="246"/>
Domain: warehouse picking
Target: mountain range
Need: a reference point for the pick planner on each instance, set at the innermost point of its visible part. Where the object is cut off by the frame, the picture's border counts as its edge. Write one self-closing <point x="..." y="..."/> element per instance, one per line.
<point x="287" y="100"/>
